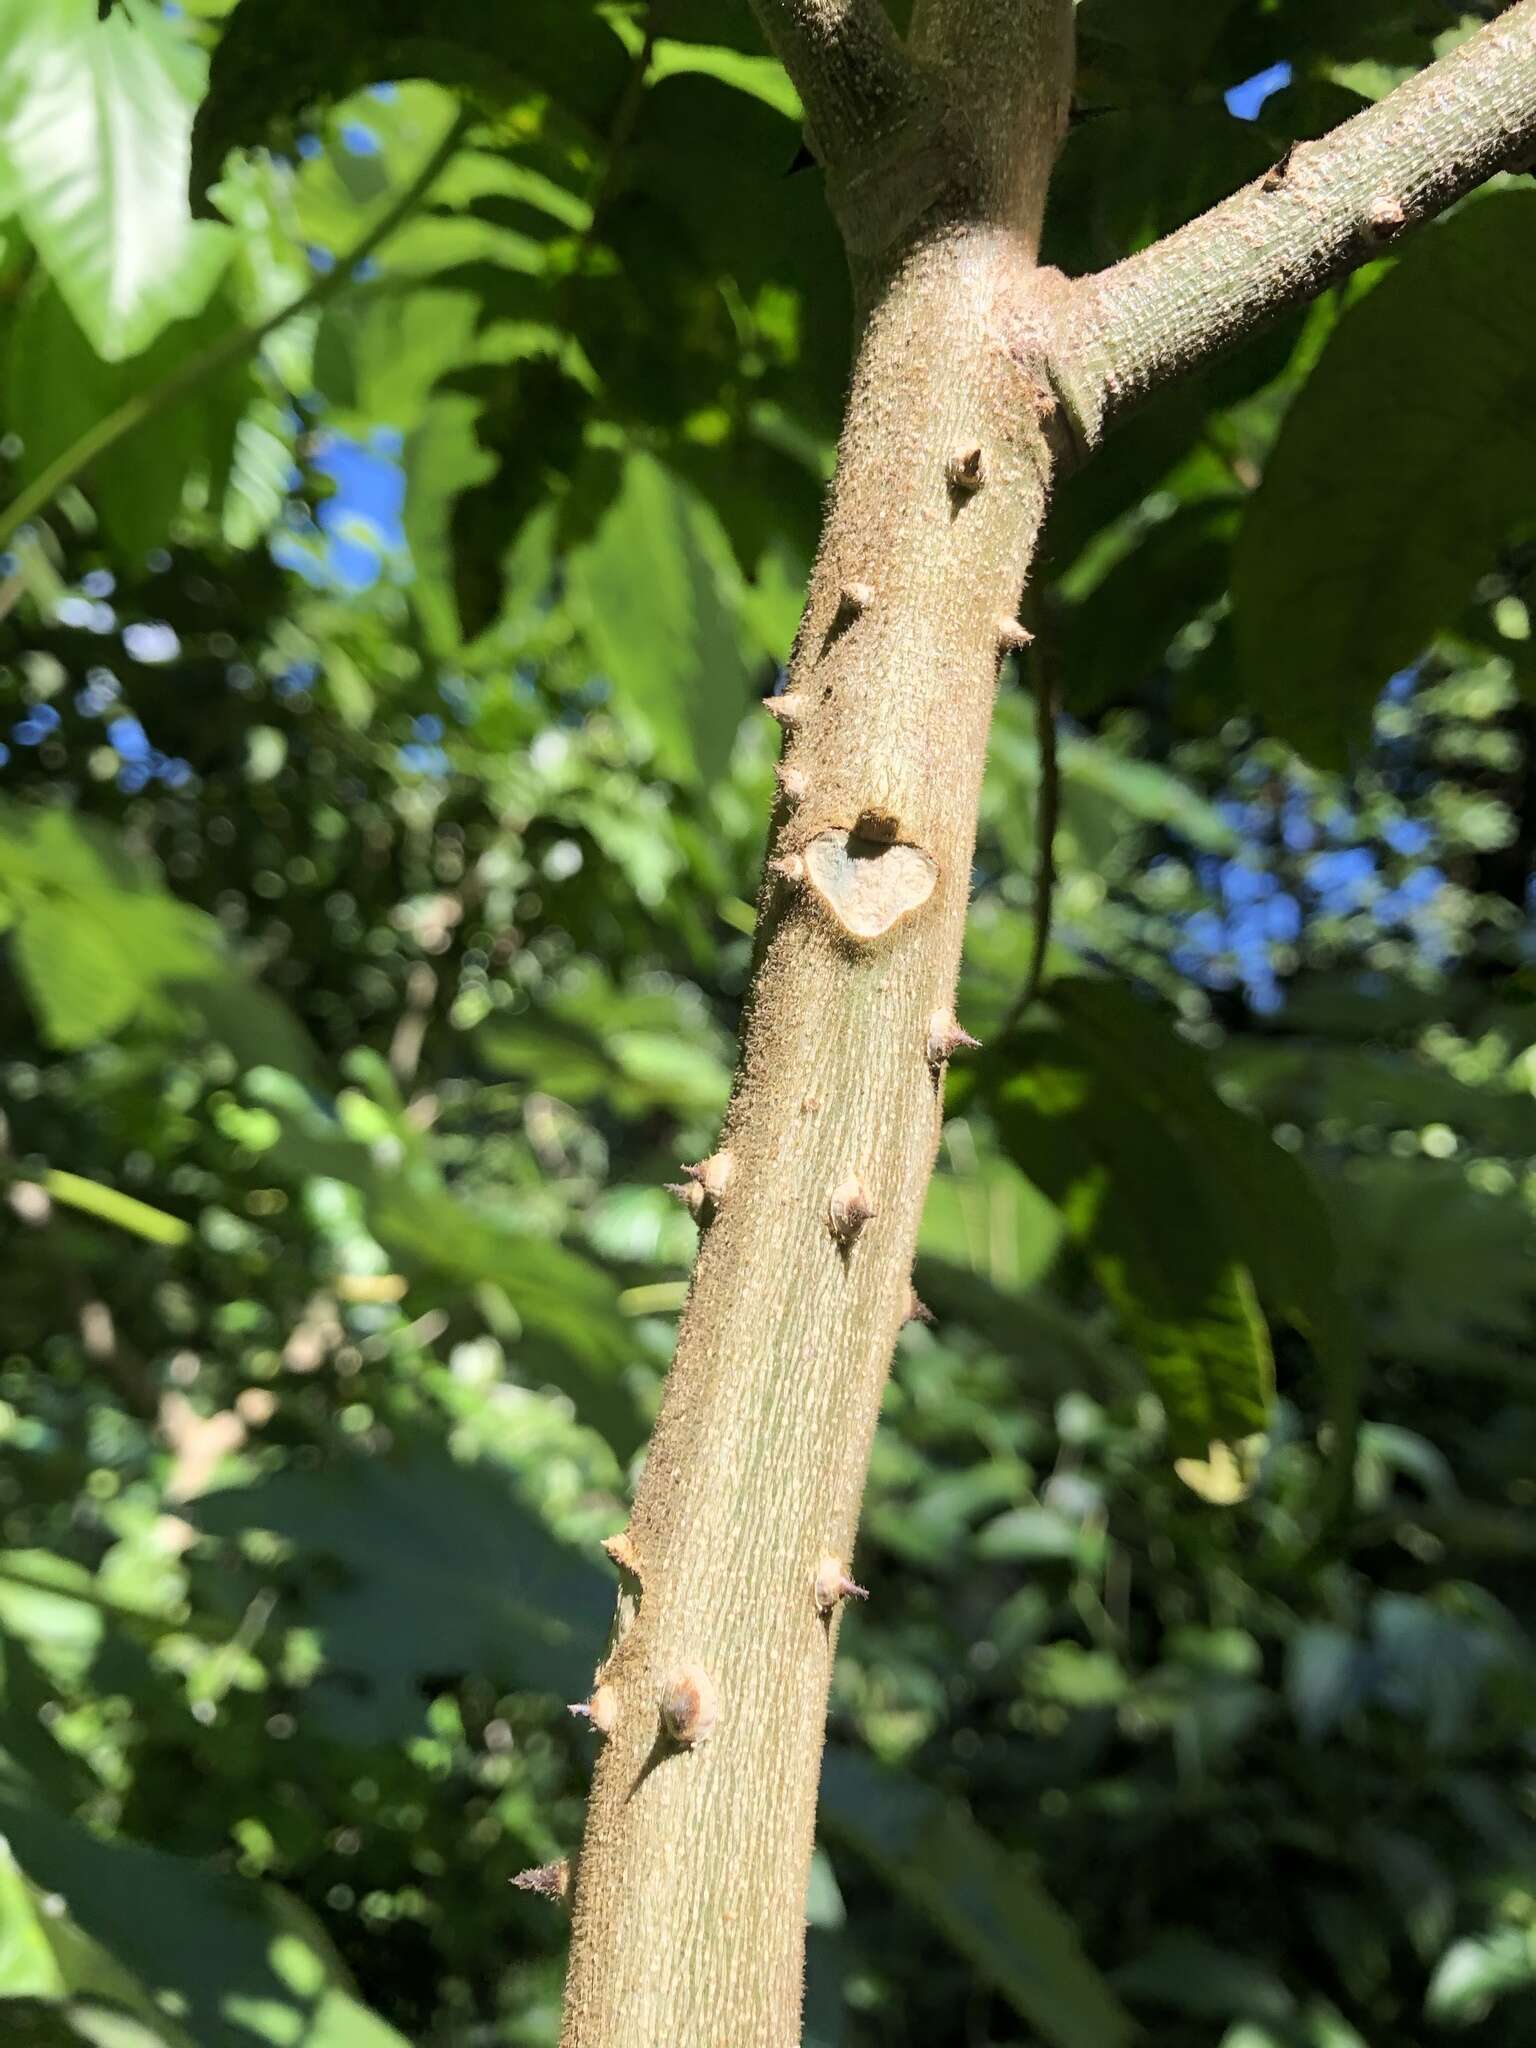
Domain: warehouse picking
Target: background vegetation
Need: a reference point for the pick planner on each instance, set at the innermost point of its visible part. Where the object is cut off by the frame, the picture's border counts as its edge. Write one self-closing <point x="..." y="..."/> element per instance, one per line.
<point x="381" y="803"/>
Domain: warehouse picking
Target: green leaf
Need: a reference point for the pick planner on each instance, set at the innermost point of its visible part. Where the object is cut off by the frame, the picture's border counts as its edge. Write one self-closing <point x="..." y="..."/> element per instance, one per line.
<point x="44" y="1954"/>
<point x="277" y="57"/>
<point x="442" y="1570"/>
<point x="1404" y="461"/>
<point x="993" y="1222"/>
<point x="1188" y="1973"/>
<point x="95" y="128"/>
<point x="1473" y="1974"/>
<point x="762" y="77"/>
<point x="1114" y="639"/>
<point x="98" y="943"/>
<point x="988" y="1903"/>
<point x="80" y="982"/>
<point x="656" y="591"/>
<point x="57" y="388"/>
<point x="1184" y="1206"/>
<point x="122" y="1933"/>
<point x="574" y="1335"/>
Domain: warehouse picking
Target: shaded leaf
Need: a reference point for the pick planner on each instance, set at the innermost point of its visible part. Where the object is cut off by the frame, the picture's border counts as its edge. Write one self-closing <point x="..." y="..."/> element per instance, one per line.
<point x="130" y="1926"/>
<point x="416" y="1567"/>
<point x="986" y="1901"/>
<point x="278" y="57"/>
<point x="1403" y="463"/>
<point x="57" y="388"/>
<point x="1183" y="1205"/>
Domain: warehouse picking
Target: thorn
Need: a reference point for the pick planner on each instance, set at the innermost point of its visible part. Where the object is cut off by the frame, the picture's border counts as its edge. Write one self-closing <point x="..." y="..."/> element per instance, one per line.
<point x="966" y="469"/>
<point x="691" y="1195"/>
<point x="1384" y="218"/>
<point x="788" y="709"/>
<point x="789" y="867"/>
<point x="918" y="1310"/>
<point x="713" y="1174"/>
<point x="833" y="1584"/>
<point x="622" y="1550"/>
<point x="856" y="598"/>
<point x="690" y="1705"/>
<point x="552" y="1879"/>
<point x="602" y="1710"/>
<point x="792" y="784"/>
<point x="945" y="1038"/>
<point x="1275" y="175"/>
<point x="848" y="1211"/>
<point x="1012" y="637"/>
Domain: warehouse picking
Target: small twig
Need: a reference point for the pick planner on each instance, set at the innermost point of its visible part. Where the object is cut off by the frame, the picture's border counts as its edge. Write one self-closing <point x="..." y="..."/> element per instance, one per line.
<point x="144" y="406"/>
<point x="1047" y="815"/>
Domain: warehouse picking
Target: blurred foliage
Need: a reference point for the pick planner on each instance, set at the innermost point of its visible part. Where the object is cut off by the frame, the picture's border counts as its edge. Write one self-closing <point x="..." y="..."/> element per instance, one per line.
<point x="380" y="811"/>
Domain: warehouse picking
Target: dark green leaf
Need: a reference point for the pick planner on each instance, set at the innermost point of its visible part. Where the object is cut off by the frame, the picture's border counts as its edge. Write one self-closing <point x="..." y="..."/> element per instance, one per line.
<point x="246" y="1968"/>
<point x="1183" y="1205"/>
<point x="278" y="57"/>
<point x="57" y="388"/>
<point x="1404" y="461"/>
<point x="987" y="1902"/>
<point x="415" y="1567"/>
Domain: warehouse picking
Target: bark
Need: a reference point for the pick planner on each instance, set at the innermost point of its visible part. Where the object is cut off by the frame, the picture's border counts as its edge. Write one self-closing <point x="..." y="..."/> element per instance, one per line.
<point x="689" y="1897"/>
<point x="1329" y="206"/>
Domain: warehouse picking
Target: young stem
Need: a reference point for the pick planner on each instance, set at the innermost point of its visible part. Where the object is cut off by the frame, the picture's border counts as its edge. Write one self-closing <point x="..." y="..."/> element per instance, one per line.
<point x="975" y="369"/>
<point x="689" y="1912"/>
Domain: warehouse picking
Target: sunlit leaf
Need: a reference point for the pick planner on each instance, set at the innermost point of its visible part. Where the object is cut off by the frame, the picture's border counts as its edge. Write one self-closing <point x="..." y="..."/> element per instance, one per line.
<point x="654" y="589"/>
<point x="95" y="127"/>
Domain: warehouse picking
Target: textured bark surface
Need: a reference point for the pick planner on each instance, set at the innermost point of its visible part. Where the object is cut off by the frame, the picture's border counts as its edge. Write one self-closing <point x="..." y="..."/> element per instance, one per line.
<point x="690" y="1905"/>
<point x="1328" y="207"/>
<point x="688" y="1927"/>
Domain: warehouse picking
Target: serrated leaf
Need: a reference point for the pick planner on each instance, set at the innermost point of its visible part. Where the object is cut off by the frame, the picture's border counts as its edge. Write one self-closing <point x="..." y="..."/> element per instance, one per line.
<point x="1405" y="460"/>
<point x="654" y="589"/>
<point x="95" y="128"/>
<point x="97" y="942"/>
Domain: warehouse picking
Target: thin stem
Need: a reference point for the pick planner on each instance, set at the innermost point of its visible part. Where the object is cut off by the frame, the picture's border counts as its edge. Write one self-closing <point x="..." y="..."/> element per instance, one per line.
<point x="1047" y="816"/>
<point x="147" y="405"/>
<point x="1327" y="207"/>
<point x="14" y="1572"/>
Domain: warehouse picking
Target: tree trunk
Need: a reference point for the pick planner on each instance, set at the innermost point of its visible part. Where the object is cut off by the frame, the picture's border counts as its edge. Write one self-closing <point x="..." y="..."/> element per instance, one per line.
<point x="975" y="372"/>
